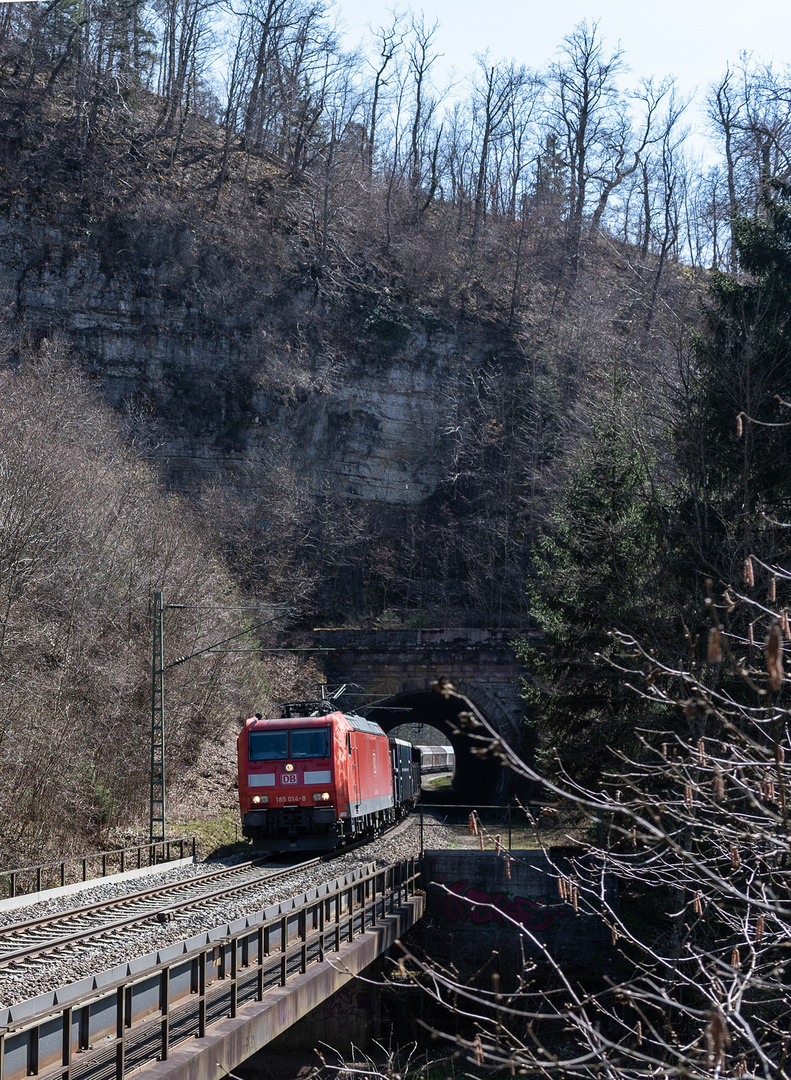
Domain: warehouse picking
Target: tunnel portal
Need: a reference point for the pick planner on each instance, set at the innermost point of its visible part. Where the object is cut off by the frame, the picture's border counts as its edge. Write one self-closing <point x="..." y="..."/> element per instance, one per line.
<point x="476" y="779"/>
<point x="396" y="670"/>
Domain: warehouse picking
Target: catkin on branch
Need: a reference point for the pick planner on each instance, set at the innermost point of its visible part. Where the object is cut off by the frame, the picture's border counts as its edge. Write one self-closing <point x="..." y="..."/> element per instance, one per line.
<point x="717" y="1039"/>
<point x="719" y="784"/>
<point x="774" y="657"/>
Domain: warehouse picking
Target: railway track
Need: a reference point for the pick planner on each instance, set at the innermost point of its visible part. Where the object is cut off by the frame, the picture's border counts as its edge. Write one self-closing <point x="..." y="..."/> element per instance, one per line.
<point x="33" y="940"/>
<point x="47" y="961"/>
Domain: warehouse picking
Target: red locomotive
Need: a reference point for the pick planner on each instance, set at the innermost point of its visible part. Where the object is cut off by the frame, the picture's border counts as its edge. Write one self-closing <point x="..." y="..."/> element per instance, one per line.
<point x="313" y="782"/>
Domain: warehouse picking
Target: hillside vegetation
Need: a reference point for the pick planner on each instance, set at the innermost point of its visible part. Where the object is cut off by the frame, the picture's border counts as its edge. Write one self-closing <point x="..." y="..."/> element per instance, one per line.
<point x="280" y="215"/>
<point x="309" y="205"/>
<point x="323" y="206"/>
<point x="87" y="537"/>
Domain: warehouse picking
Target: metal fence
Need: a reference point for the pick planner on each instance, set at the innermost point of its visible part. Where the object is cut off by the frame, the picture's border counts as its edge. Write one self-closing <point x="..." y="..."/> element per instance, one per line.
<point x="103" y="1034"/>
<point x="30" y="879"/>
<point x="508" y="826"/>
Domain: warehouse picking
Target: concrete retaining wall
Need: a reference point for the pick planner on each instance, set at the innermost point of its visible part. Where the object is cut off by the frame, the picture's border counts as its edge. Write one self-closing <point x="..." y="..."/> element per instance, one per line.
<point x="479" y="909"/>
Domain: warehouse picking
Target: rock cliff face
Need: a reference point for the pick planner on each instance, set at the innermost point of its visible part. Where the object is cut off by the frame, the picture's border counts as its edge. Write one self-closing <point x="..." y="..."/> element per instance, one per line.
<point x="364" y="404"/>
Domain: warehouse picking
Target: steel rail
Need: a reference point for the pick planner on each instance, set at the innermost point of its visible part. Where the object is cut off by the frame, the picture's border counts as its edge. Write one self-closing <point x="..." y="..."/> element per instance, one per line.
<point x="58" y="944"/>
<point x="222" y="978"/>
<point x="10" y="929"/>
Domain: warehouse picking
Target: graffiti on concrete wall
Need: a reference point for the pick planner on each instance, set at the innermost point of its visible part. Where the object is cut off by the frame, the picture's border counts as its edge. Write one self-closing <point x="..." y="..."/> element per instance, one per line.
<point x="345" y="1008"/>
<point x="461" y="901"/>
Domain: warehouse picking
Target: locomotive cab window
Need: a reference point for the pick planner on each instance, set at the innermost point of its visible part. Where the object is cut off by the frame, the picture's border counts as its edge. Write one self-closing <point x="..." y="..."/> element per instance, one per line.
<point x="310" y="742"/>
<point x="268" y="745"/>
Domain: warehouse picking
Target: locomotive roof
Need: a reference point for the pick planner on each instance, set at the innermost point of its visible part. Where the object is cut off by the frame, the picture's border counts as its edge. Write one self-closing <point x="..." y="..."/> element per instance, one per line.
<point x="356" y="723"/>
<point x="359" y="723"/>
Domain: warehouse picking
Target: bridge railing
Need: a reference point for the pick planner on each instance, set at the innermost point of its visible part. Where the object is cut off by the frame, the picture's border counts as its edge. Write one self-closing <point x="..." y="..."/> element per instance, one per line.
<point x="30" y="879"/>
<point x="134" y="1020"/>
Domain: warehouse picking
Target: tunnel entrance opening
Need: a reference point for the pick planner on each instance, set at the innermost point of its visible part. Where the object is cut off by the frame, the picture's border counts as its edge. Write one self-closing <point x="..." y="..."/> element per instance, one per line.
<point x="476" y="780"/>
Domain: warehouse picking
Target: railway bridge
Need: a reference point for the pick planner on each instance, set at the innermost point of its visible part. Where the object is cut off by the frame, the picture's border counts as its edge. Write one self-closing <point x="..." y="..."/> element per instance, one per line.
<point x="401" y="671"/>
<point x="198" y="1008"/>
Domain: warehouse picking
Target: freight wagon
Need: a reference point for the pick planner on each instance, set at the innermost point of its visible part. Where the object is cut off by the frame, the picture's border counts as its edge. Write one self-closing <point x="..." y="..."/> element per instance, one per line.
<point x="435" y="759"/>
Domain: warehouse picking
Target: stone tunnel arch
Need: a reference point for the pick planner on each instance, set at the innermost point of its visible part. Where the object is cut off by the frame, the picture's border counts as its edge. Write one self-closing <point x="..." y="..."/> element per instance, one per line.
<point x="476" y="779"/>
<point x="395" y="668"/>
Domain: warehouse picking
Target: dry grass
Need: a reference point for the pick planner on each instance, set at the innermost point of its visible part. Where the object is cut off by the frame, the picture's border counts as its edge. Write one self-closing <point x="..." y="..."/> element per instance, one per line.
<point x="451" y="829"/>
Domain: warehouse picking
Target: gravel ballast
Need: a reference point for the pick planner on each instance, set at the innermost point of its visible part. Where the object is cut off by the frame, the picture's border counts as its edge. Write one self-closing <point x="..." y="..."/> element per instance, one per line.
<point x="51" y="972"/>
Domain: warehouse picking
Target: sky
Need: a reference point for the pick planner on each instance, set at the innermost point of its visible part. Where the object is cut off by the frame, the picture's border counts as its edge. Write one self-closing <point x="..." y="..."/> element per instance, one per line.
<point x="690" y="39"/>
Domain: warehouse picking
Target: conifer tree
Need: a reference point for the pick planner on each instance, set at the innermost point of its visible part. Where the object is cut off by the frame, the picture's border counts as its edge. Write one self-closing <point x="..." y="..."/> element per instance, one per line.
<point x="733" y="433"/>
<point x="597" y="568"/>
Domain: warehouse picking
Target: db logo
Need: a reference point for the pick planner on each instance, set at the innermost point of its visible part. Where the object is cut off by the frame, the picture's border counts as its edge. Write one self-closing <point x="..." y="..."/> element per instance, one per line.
<point x="289" y="778"/>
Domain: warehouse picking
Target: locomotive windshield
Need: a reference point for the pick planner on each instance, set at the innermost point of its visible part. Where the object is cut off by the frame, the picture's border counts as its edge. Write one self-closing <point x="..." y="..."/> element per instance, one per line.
<point x="268" y="745"/>
<point x="310" y="742"/>
<point x="274" y="745"/>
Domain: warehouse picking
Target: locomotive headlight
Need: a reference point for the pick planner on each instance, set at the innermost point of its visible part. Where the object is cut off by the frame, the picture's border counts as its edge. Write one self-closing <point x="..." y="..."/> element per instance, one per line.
<point x="325" y="796"/>
<point x="256" y="800"/>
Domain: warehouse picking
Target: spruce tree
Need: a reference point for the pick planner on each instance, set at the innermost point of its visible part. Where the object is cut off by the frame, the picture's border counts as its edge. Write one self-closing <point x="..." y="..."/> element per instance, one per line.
<point x="598" y="568"/>
<point x="733" y="433"/>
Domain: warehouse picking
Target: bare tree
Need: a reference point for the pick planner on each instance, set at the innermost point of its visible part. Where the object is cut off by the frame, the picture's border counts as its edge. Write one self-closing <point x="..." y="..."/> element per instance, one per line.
<point x="749" y="110"/>
<point x="627" y="151"/>
<point x="493" y="104"/>
<point x="588" y="117"/>
<point x="340" y="157"/>
<point x="421" y="57"/>
<point x="266" y="22"/>
<point x="696" y="833"/>
<point x="187" y="38"/>
<point x="389" y="41"/>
